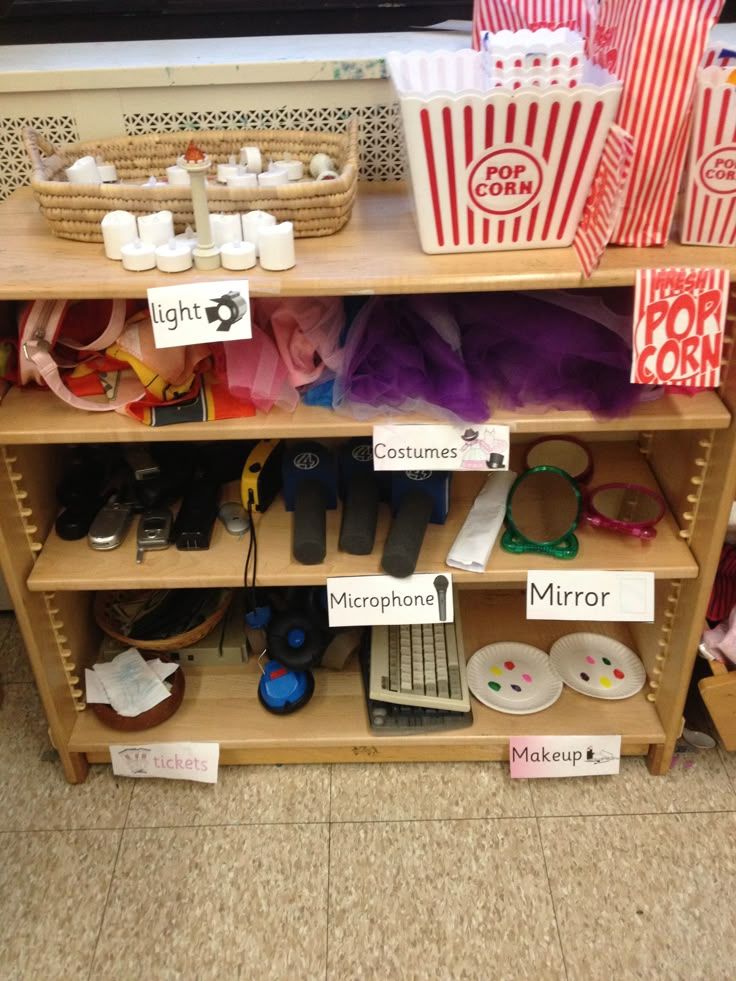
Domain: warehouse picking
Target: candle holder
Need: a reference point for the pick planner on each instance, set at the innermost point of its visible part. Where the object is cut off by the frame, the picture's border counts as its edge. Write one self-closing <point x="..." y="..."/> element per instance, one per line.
<point x="206" y="254"/>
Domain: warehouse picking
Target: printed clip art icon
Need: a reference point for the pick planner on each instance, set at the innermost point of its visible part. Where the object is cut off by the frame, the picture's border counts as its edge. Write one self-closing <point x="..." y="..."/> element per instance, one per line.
<point x="228" y="309"/>
<point x="136" y="758"/>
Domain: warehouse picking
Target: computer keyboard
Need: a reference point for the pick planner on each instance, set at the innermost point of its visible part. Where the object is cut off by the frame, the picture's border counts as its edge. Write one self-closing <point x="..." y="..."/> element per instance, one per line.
<point x="419" y="664"/>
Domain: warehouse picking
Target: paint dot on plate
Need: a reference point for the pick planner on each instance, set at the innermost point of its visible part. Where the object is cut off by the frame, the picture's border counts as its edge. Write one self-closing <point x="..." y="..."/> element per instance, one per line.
<point x="527" y="677"/>
<point x="516" y="687"/>
<point x="496" y="670"/>
<point x="590" y="660"/>
<point x="509" y="665"/>
<point x="618" y="673"/>
<point x="494" y="685"/>
<point x="606" y="682"/>
<point x="606" y="661"/>
<point x="584" y="676"/>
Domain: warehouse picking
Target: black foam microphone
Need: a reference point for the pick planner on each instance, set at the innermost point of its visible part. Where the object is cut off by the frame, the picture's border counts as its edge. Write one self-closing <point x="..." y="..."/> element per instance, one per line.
<point x="360" y="492"/>
<point x="310" y="482"/>
<point x="310" y="523"/>
<point x="405" y="537"/>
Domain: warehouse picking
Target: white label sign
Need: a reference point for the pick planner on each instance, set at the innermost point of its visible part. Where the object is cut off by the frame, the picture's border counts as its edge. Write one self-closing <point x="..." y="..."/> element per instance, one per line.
<point x="200" y="313"/>
<point x="357" y="601"/>
<point x="172" y="761"/>
<point x="564" y="756"/>
<point x="479" y="447"/>
<point x="591" y="595"/>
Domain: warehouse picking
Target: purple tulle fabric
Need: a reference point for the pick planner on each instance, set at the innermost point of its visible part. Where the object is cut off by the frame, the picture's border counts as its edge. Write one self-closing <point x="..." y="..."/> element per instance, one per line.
<point x="455" y="355"/>
<point x="532" y="352"/>
<point x="402" y="354"/>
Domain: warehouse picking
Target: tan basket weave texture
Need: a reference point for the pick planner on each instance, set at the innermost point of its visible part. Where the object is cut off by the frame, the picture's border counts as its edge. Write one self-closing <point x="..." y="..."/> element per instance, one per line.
<point x="75" y="210"/>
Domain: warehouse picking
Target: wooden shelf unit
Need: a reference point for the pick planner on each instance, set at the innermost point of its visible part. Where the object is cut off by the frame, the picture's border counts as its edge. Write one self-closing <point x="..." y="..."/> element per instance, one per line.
<point x="685" y="446"/>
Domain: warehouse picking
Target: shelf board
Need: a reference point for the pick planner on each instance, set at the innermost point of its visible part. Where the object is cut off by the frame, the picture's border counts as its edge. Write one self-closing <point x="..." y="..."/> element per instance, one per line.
<point x="377" y="252"/>
<point x="74" y="566"/>
<point x="36" y="416"/>
<point x="221" y="705"/>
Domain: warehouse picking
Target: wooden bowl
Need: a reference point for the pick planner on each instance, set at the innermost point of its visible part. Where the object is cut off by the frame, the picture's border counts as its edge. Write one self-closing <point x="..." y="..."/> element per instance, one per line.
<point x="154" y="716"/>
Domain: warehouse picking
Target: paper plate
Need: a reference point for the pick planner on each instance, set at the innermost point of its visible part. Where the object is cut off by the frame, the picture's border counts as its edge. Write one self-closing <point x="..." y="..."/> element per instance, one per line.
<point x="513" y="678"/>
<point x="598" y="666"/>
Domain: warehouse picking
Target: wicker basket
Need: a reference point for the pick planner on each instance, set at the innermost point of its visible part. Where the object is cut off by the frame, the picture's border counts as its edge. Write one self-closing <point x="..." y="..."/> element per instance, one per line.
<point x="107" y="612"/>
<point x="76" y="210"/>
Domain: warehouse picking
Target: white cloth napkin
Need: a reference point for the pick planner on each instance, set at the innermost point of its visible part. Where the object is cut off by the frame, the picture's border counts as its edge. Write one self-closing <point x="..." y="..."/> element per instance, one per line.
<point x="472" y="548"/>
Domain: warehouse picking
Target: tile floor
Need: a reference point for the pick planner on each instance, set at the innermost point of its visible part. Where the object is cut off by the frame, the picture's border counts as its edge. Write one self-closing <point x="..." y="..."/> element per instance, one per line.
<point x="417" y="871"/>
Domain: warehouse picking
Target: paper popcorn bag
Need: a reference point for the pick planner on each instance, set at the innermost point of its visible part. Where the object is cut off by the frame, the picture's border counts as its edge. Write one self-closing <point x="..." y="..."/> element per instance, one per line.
<point x="655" y="47"/>
<point x="518" y="15"/>
<point x="709" y="217"/>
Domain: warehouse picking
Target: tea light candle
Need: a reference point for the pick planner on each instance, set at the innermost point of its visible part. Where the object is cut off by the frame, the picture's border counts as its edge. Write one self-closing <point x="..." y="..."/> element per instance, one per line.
<point x="83" y="171"/>
<point x="225" y="170"/>
<point x="253" y="222"/>
<point x="138" y="256"/>
<point x="187" y="238"/>
<point x="272" y="178"/>
<point x="226" y="228"/>
<point x="243" y="180"/>
<point x="294" y="168"/>
<point x="157" y="228"/>
<point x="173" y="257"/>
<point x="108" y="173"/>
<point x="319" y="163"/>
<point x="177" y="176"/>
<point x="250" y="158"/>
<point x="118" y="228"/>
<point x="238" y="255"/>
<point x="276" y="246"/>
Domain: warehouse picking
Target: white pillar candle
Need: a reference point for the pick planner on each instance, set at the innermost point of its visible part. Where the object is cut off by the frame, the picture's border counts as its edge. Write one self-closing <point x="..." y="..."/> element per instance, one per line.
<point x="253" y="221"/>
<point x="276" y="246"/>
<point x="187" y="238"/>
<point x="226" y="228"/>
<point x="157" y="228"/>
<point x="273" y="178"/>
<point x="294" y="168"/>
<point x="83" y="171"/>
<point x="319" y="163"/>
<point x="108" y="173"/>
<point x="238" y="255"/>
<point x="243" y="180"/>
<point x="138" y="256"/>
<point x="177" y="176"/>
<point x="230" y="169"/>
<point x="118" y="228"/>
<point x="250" y="158"/>
<point x="173" y="257"/>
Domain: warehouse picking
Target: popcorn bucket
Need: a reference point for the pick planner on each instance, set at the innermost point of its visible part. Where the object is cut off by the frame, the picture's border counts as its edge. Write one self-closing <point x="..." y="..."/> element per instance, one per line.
<point x="508" y="168"/>
<point x="517" y="15"/>
<point x="709" y="217"/>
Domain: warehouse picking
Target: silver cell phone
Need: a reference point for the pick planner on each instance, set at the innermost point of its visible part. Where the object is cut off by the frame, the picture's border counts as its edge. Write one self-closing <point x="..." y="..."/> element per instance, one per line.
<point x="154" y="531"/>
<point x="110" y="525"/>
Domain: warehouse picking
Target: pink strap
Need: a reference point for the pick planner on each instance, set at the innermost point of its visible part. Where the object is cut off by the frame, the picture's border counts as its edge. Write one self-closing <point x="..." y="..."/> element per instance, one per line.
<point x="37" y="352"/>
<point x="110" y="334"/>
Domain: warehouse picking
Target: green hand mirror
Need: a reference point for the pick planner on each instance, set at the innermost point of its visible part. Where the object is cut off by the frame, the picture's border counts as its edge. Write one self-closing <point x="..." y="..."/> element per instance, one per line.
<point x="543" y="509"/>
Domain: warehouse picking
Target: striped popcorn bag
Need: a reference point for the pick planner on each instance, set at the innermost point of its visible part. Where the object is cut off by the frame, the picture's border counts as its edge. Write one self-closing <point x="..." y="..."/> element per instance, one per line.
<point x="709" y="216"/>
<point x="655" y="46"/>
<point x="518" y="15"/>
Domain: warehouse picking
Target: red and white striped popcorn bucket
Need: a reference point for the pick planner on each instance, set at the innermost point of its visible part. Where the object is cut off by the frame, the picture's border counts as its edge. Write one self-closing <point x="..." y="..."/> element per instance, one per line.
<point x="518" y="15"/>
<point x="506" y="168"/>
<point x="709" y="216"/>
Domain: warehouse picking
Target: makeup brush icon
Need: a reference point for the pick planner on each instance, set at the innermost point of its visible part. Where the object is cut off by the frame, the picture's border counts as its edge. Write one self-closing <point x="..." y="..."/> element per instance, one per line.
<point x="440" y="584"/>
